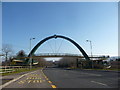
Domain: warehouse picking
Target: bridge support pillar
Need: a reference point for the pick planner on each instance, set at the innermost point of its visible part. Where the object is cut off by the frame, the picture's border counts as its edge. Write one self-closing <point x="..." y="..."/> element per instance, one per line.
<point x="90" y="64"/>
<point x="77" y="63"/>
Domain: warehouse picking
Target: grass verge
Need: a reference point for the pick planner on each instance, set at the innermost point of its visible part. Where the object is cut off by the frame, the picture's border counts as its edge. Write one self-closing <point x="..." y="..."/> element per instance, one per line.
<point x="94" y="69"/>
<point x="20" y="70"/>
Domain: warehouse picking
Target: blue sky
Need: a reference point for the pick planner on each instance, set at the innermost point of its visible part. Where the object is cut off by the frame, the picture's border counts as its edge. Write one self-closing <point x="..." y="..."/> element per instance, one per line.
<point x="96" y="21"/>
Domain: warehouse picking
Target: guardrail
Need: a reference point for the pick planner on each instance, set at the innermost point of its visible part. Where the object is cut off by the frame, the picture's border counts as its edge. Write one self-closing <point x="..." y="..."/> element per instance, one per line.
<point x="6" y="69"/>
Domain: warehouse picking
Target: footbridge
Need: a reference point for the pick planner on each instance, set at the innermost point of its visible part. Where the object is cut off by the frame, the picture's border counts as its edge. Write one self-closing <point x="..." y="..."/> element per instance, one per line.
<point x="81" y="50"/>
<point x="47" y="55"/>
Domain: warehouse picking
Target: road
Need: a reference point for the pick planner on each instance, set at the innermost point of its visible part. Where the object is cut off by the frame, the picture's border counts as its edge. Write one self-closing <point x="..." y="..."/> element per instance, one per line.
<point x="62" y="78"/>
<point x="82" y="78"/>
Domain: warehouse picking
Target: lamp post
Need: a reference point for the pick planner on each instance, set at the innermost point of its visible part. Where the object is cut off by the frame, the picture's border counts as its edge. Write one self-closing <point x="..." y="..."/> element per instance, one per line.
<point x="91" y="49"/>
<point x="30" y="54"/>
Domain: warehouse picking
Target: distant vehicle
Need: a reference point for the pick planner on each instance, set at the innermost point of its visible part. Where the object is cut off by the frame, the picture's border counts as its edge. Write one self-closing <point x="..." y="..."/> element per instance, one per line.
<point x="108" y="67"/>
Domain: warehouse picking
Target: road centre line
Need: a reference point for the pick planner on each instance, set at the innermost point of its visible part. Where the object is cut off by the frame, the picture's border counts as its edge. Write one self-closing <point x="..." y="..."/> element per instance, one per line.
<point x="53" y="86"/>
<point x="49" y="81"/>
<point x="99" y="83"/>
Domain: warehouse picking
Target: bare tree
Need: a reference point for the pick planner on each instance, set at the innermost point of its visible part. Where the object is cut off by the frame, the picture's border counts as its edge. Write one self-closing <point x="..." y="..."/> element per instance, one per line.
<point x="21" y="54"/>
<point x="67" y="62"/>
<point x="42" y="62"/>
<point x="7" y="50"/>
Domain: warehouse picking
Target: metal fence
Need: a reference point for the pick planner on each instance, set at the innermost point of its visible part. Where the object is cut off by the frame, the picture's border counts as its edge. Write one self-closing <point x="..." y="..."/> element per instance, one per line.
<point x="7" y="69"/>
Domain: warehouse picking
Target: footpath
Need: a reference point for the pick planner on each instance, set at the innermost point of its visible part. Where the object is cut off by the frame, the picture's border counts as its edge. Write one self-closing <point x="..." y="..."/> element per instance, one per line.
<point x="32" y="79"/>
<point x="8" y="78"/>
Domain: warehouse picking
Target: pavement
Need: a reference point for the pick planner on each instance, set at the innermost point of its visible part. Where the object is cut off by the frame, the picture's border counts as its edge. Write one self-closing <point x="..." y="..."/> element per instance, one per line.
<point x="35" y="79"/>
<point x="64" y="78"/>
<point x="7" y="78"/>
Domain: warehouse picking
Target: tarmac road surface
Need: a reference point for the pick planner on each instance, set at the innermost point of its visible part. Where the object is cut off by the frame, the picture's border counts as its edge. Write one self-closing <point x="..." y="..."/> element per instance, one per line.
<point x="63" y="78"/>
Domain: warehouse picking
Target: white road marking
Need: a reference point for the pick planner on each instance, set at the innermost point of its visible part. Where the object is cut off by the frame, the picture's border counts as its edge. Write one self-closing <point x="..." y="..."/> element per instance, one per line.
<point x="11" y="81"/>
<point x="40" y="81"/>
<point x="34" y="81"/>
<point x="37" y="81"/>
<point x="92" y="74"/>
<point x="29" y="81"/>
<point x="99" y="83"/>
<point x="21" y="82"/>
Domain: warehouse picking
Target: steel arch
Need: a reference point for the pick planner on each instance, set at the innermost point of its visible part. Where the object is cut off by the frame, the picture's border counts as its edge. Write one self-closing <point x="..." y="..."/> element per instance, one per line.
<point x="59" y="36"/>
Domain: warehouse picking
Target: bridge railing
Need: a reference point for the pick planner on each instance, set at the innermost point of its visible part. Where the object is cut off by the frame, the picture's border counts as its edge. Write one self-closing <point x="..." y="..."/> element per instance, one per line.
<point x="57" y="54"/>
<point x="65" y="55"/>
<point x="68" y="54"/>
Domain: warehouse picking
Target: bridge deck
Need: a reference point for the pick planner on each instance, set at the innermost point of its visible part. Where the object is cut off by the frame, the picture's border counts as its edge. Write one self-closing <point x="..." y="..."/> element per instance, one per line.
<point x="44" y="56"/>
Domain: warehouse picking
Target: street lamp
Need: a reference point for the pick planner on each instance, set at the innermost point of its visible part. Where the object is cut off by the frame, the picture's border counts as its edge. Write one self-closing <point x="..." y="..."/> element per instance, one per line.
<point x="91" y="49"/>
<point x="30" y="54"/>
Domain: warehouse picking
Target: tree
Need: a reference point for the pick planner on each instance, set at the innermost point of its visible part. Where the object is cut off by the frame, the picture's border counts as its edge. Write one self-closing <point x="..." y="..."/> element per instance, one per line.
<point x="21" y="54"/>
<point x="7" y="50"/>
<point x="67" y="62"/>
<point x="41" y="62"/>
